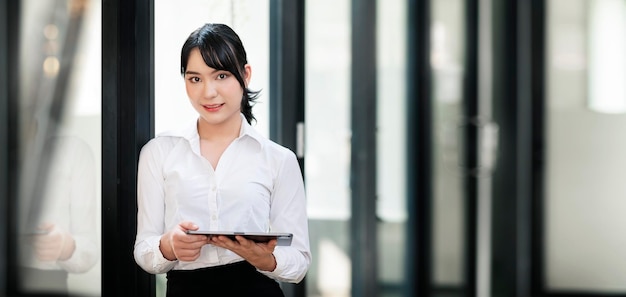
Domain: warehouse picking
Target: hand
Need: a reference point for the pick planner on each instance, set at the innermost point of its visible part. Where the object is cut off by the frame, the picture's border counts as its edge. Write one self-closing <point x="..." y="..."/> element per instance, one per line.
<point x="260" y="255"/>
<point x="178" y="245"/>
<point x="54" y="244"/>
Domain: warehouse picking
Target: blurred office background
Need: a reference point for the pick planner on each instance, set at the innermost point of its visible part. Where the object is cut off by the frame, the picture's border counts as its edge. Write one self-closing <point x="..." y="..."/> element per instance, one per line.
<point x="449" y="147"/>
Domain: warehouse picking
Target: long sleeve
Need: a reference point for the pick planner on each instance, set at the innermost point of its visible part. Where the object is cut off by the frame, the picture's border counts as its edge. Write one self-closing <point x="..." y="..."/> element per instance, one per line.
<point x="288" y="214"/>
<point x="83" y="208"/>
<point x="150" y="211"/>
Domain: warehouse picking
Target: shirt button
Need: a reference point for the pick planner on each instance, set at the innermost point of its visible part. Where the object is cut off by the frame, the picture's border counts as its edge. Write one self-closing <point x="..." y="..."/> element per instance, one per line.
<point x="213" y="188"/>
<point x="214" y="217"/>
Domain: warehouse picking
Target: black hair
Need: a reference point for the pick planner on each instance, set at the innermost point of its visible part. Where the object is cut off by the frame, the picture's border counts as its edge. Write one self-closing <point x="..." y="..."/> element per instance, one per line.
<point x="221" y="49"/>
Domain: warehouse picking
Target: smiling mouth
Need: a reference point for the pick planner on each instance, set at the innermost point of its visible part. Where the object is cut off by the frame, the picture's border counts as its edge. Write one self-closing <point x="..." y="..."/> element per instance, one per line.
<point x="213" y="107"/>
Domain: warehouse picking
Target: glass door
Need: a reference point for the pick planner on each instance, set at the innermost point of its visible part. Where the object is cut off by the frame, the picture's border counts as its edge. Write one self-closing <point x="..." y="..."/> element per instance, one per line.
<point x="585" y="108"/>
<point x="58" y="149"/>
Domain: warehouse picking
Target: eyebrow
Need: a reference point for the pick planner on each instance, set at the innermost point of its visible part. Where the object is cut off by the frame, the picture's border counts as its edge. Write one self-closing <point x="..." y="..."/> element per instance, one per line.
<point x="191" y="72"/>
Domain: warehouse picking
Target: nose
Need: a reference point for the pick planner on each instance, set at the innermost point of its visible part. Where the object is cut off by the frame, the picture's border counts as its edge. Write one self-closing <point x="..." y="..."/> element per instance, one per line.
<point x="210" y="90"/>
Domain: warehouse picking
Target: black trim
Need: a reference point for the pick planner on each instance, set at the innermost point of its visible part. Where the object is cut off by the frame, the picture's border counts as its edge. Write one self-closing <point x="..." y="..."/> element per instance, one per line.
<point x="419" y="144"/>
<point x="287" y="63"/>
<point x="513" y="86"/>
<point x="127" y="124"/>
<point x="538" y="147"/>
<point x="287" y="84"/>
<point x="363" y="223"/>
<point x="470" y="149"/>
<point x="10" y="102"/>
<point x="6" y="141"/>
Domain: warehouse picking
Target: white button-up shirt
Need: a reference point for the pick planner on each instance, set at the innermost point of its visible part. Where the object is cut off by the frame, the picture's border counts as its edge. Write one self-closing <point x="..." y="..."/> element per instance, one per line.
<point x="256" y="187"/>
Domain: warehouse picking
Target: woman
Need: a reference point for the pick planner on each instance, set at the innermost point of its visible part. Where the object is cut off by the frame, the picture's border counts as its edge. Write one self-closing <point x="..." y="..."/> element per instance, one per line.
<point x="219" y="174"/>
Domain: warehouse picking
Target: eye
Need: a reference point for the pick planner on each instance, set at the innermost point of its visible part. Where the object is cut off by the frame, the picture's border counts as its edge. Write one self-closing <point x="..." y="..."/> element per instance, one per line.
<point x="194" y="79"/>
<point x="222" y="76"/>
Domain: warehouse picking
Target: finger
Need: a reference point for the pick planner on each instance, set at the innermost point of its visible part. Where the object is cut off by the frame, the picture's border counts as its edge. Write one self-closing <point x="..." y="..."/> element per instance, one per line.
<point x="187" y="225"/>
<point x="198" y="240"/>
<point x="188" y="245"/>
<point x="222" y="241"/>
<point x="272" y="244"/>
<point x="46" y="226"/>
<point x="47" y="253"/>
<point x="243" y="241"/>
<point x="185" y="254"/>
<point x="190" y="239"/>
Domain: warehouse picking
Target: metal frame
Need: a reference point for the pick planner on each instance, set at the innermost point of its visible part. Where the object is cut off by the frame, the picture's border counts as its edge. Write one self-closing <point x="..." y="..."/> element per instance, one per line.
<point x="419" y="142"/>
<point x="514" y="44"/>
<point x="7" y="23"/>
<point x="127" y="124"/>
<point x="10" y="29"/>
<point x="363" y="223"/>
<point x="471" y="150"/>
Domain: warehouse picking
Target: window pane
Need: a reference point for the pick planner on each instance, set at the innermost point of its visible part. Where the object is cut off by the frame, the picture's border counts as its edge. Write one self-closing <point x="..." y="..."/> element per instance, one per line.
<point x="447" y="60"/>
<point x="59" y="146"/>
<point x="585" y="161"/>
<point x="391" y="145"/>
<point x="327" y="153"/>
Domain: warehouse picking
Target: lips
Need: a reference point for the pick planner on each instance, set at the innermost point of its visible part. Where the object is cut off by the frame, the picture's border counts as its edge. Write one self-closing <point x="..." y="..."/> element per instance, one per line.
<point x="213" y="107"/>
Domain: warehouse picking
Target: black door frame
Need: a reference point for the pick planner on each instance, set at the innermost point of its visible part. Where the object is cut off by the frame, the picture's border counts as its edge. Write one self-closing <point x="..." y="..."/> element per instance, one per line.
<point x="9" y="12"/>
<point x="127" y="124"/>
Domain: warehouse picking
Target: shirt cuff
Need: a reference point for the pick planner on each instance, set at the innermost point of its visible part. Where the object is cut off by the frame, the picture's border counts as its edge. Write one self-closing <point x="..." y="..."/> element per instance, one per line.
<point x="285" y="271"/>
<point x="159" y="263"/>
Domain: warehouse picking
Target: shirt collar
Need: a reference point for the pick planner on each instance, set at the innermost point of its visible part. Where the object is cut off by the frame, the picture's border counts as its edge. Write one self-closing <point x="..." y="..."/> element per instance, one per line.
<point x="190" y="131"/>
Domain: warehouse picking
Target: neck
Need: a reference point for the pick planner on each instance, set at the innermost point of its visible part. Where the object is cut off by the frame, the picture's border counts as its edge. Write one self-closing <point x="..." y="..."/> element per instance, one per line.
<point x="225" y="131"/>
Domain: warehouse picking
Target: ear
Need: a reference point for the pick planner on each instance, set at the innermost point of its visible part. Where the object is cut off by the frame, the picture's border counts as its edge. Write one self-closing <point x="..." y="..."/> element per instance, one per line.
<point x="247" y="74"/>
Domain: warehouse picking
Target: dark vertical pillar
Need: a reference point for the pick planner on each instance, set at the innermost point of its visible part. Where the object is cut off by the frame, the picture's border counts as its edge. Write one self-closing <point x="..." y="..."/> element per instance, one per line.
<point x="9" y="28"/>
<point x="518" y="80"/>
<point x="419" y="146"/>
<point x="286" y="70"/>
<point x="471" y="112"/>
<point x="363" y="150"/>
<point x="538" y="98"/>
<point x="287" y="86"/>
<point x="127" y="124"/>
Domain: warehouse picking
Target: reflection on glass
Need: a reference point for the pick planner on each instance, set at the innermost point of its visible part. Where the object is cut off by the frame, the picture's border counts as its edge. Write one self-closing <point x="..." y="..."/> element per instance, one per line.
<point x="59" y="147"/>
<point x="327" y="153"/>
<point x="447" y="60"/>
<point x="584" y="176"/>
<point x="173" y="22"/>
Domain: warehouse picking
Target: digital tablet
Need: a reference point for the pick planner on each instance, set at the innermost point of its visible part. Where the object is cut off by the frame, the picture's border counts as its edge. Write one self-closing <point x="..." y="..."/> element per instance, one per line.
<point x="282" y="239"/>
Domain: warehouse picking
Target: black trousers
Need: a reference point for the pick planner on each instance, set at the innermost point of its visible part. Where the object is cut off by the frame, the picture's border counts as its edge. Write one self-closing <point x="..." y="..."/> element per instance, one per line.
<point x="236" y="279"/>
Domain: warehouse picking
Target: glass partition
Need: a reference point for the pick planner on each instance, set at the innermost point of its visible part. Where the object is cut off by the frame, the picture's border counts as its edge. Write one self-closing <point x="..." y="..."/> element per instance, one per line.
<point x="585" y="164"/>
<point x="327" y="142"/>
<point x="391" y="209"/>
<point x="447" y="62"/>
<point x="59" y="147"/>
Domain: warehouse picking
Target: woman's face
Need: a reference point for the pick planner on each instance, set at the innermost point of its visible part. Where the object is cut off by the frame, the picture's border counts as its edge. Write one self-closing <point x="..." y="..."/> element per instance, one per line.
<point x="215" y="94"/>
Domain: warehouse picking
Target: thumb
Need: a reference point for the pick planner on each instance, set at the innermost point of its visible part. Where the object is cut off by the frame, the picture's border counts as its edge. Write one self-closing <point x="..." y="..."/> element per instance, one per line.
<point x="46" y="226"/>
<point x="188" y="226"/>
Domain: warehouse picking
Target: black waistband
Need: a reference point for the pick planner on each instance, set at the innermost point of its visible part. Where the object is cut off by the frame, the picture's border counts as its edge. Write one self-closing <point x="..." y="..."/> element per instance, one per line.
<point x="235" y="279"/>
